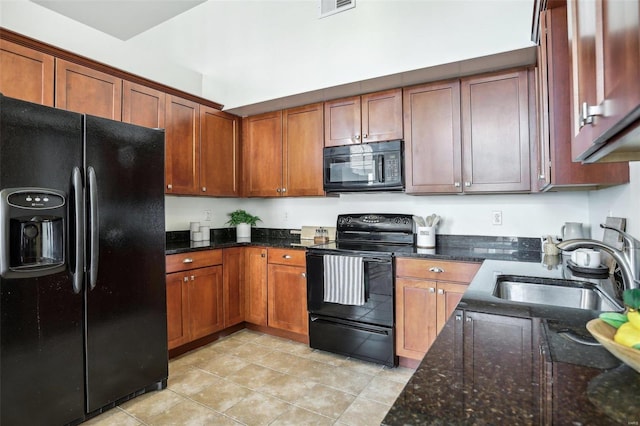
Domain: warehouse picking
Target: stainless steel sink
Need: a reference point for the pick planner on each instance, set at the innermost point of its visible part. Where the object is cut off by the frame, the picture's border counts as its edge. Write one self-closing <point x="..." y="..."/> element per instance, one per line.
<point x="554" y="292"/>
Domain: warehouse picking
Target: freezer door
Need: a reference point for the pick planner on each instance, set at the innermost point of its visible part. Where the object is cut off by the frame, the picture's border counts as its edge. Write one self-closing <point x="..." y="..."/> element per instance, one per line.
<point x="126" y="324"/>
<point x="41" y="338"/>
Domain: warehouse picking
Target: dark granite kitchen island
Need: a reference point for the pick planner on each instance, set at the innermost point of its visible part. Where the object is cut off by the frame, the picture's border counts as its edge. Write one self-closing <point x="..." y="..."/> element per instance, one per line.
<point x="499" y="362"/>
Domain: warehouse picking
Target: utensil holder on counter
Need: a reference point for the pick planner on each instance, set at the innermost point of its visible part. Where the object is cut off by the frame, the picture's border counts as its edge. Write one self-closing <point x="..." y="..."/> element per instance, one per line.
<point x="426" y="237"/>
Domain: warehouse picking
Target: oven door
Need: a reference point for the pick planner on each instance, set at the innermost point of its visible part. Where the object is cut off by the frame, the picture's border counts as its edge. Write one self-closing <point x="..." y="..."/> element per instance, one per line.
<point x="378" y="308"/>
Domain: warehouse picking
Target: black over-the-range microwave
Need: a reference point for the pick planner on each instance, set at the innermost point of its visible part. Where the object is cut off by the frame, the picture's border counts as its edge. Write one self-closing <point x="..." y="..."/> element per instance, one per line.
<point x="376" y="166"/>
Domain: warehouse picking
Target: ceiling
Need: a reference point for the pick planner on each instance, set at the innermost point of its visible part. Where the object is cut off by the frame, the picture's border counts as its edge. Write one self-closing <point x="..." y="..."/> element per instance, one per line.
<point x="119" y="18"/>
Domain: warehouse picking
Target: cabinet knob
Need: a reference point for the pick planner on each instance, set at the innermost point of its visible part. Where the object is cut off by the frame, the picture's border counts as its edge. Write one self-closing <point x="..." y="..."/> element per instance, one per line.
<point x="169" y="186"/>
<point x="262" y="255"/>
<point x="185" y="279"/>
<point x="468" y="319"/>
<point x="440" y="291"/>
<point x="284" y="190"/>
<point x="187" y="260"/>
<point x="436" y="269"/>
<point x="458" y="317"/>
<point x="357" y="137"/>
<point x="204" y="189"/>
<point x="365" y="135"/>
<point x="456" y="184"/>
<point x="278" y="190"/>
<point x="432" y="290"/>
<point x="193" y="277"/>
<point x="304" y="275"/>
<point x="286" y="256"/>
<point x="467" y="184"/>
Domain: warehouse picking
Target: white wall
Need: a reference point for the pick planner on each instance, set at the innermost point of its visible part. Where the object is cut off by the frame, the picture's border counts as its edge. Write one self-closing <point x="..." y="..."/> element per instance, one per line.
<point x="524" y="215"/>
<point x="619" y="201"/>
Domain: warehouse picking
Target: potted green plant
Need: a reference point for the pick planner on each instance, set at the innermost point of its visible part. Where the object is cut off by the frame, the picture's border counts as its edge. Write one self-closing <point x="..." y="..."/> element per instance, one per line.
<point x="243" y="222"/>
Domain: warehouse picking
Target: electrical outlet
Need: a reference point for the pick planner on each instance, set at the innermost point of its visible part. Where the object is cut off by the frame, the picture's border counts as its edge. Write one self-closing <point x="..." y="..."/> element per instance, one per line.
<point x="208" y="215"/>
<point x="496" y="217"/>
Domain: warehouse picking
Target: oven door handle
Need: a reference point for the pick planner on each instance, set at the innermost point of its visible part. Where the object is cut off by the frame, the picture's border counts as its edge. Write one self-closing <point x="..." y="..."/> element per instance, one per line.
<point x="350" y="326"/>
<point x="375" y="260"/>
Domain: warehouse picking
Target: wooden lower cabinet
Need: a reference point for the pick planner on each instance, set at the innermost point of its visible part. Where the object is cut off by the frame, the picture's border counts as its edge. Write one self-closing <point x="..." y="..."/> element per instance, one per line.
<point x="287" y="291"/>
<point x="194" y="296"/>
<point x="255" y="285"/>
<point x="427" y="293"/>
<point x="233" y="285"/>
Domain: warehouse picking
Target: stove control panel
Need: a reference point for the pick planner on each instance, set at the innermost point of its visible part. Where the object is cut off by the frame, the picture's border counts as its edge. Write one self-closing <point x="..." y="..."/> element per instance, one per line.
<point x="371" y="222"/>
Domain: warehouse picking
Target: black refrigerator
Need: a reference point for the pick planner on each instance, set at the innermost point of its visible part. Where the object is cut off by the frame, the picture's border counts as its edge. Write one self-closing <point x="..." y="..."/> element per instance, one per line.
<point x="82" y="264"/>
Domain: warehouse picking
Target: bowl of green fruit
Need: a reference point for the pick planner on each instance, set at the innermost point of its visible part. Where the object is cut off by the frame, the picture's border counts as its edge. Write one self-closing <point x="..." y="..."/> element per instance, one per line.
<point x="618" y="332"/>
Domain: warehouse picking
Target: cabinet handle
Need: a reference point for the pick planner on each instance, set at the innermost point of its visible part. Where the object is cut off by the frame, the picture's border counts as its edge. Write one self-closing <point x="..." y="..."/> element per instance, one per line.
<point x="304" y="275"/>
<point x="357" y="137"/>
<point x="436" y="269"/>
<point x="187" y="260"/>
<point x="432" y="290"/>
<point x="440" y="291"/>
<point x="286" y="256"/>
<point x="467" y="184"/>
<point x="456" y="184"/>
<point x="169" y="186"/>
<point x="588" y="112"/>
<point x="204" y="189"/>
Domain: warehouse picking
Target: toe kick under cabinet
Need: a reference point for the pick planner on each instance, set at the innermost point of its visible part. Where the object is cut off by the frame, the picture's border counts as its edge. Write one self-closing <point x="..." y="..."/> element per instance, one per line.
<point x="427" y="292"/>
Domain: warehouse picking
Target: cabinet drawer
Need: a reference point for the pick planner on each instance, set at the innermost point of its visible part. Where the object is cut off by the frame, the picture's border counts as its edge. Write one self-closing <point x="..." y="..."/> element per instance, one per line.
<point x="293" y="257"/>
<point x="433" y="269"/>
<point x="192" y="260"/>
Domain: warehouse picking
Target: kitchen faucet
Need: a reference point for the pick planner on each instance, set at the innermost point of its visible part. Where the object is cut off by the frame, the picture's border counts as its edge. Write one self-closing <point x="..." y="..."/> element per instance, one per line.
<point x="628" y="258"/>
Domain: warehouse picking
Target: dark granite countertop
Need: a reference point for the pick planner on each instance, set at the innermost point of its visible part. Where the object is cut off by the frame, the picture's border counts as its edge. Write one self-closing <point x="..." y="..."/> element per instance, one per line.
<point x="586" y="384"/>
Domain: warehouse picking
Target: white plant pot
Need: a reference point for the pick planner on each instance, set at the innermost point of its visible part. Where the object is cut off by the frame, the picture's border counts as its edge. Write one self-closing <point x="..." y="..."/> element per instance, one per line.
<point x="243" y="233"/>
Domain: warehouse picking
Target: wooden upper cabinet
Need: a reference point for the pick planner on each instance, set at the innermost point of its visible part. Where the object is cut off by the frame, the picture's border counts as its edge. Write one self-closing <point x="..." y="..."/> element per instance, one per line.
<point x="26" y="73"/>
<point x="219" y="153"/>
<point x="181" y="142"/>
<point x="302" y="143"/>
<point x="263" y="155"/>
<point x="88" y="91"/>
<point x="604" y="38"/>
<point x="368" y="118"/>
<point x="554" y="166"/>
<point x="142" y="105"/>
<point x="432" y="138"/>
<point x="495" y="132"/>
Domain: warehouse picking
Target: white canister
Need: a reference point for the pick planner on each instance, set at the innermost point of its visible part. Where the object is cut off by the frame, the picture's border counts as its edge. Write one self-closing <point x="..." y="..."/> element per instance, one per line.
<point x="426" y="237"/>
<point x="206" y="233"/>
<point x="196" y="236"/>
<point x="193" y="227"/>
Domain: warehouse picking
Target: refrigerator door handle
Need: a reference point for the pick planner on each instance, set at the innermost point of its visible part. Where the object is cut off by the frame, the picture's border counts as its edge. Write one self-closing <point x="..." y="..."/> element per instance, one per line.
<point x="78" y="269"/>
<point x="93" y="227"/>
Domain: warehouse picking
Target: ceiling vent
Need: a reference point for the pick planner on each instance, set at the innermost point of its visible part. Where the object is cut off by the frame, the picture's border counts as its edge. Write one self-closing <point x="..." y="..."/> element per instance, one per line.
<point x="331" y="7"/>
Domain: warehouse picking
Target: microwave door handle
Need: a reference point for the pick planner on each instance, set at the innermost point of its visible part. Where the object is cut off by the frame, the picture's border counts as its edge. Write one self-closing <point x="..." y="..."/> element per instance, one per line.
<point x="381" y="168"/>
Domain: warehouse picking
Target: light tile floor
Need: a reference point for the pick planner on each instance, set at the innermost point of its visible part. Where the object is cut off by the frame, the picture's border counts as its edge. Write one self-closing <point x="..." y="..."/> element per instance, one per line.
<point x="250" y="378"/>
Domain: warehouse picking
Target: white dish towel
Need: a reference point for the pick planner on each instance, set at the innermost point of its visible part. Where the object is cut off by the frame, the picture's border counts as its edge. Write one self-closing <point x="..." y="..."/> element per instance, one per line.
<point x="344" y="279"/>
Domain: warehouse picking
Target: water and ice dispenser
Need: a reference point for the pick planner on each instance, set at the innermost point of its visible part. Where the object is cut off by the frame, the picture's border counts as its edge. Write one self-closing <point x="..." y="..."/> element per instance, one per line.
<point x="32" y="232"/>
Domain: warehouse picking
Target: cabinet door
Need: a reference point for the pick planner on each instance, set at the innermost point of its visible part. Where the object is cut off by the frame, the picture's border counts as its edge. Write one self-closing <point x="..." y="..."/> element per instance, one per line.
<point x="233" y="285"/>
<point x="448" y="295"/>
<point x="181" y="146"/>
<point x="255" y="285"/>
<point x="302" y="143"/>
<point x="605" y="62"/>
<point x="382" y="116"/>
<point x="263" y="155"/>
<point x="88" y="91"/>
<point x="342" y="121"/>
<point x="219" y="153"/>
<point x="504" y="362"/>
<point x="432" y="141"/>
<point x="177" y="327"/>
<point x="287" y="297"/>
<point x="416" y="313"/>
<point x="205" y="301"/>
<point x="26" y="74"/>
<point x="143" y="105"/>
<point x="495" y="133"/>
